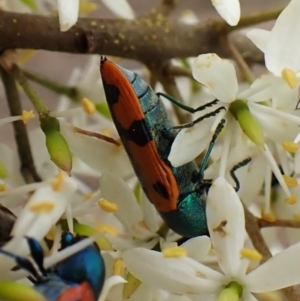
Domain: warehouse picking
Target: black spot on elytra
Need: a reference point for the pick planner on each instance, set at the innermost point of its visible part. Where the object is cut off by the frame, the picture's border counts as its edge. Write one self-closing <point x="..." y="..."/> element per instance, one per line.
<point x="138" y="132"/>
<point x="112" y="93"/>
<point x="161" y="189"/>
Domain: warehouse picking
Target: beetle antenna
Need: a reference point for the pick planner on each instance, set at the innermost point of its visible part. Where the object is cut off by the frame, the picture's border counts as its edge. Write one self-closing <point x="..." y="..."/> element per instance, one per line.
<point x="23" y="262"/>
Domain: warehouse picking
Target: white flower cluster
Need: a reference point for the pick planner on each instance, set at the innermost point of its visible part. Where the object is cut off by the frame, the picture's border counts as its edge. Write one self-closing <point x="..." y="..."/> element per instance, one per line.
<point x="262" y="122"/>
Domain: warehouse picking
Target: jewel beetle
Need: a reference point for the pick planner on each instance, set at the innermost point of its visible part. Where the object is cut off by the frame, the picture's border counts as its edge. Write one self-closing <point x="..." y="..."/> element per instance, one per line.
<point x="147" y="133"/>
<point x="79" y="277"/>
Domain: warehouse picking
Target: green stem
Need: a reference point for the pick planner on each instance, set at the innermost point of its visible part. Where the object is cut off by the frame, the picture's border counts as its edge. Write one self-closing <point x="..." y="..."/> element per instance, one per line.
<point x="40" y="107"/>
<point x="71" y="92"/>
<point x="258" y="17"/>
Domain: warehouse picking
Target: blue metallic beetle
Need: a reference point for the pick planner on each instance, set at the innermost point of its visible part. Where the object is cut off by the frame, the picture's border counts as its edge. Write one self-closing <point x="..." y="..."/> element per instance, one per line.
<point x="80" y="277"/>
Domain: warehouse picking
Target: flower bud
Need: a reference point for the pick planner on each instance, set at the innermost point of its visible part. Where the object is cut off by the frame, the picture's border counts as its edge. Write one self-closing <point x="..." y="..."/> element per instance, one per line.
<point x="240" y="110"/>
<point x="56" y="144"/>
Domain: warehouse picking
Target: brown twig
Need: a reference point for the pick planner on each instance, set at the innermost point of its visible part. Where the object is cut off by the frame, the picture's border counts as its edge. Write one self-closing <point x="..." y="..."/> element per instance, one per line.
<point x="257" y="239"/>
<point x="260" y="245"/>
<point x="241" y="63"/>
<point x="168" y="82"/>
<point x="164" y="9"/>
<point x="27" y="164"/>
<point x="178" y="71"/>
<point x="143" y="39"/>
<point x="278" y="223"/>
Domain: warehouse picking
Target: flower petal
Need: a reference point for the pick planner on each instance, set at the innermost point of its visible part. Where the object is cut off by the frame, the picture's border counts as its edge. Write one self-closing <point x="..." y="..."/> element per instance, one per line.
<point x="176" y="275"/>
<point x="267" y="117"/>
<point x="260" y="37"/>
<point x="67" y="13"/>
<point x="266" y="278"/>
<point x="108" y="284"/>
<point x="229" y="11"/>
<point x="190" y="142"/>
<point x="226" y="224"/>
<point x="217" y="75"/>
<point x="120" y="7"/>
<point x="151" y="216"/>
<point x="115" y="190"/>
<point x="36" y="223"/>
<point x="197" y="247"/>
<point x="96" y="153"/>
<point x="59" y="199"/>
<point x="283" y="48"/>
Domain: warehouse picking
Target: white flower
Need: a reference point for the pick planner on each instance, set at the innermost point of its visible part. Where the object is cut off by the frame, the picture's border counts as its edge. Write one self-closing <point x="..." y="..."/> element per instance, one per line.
<point x="226" y="223"/>
<point x="139" y="223"/>
<point x="44" y="208"/>
<point x="281" y="47"/>
<point x="97" y="153"/>
<point x="68" y="13"/>
<point x="120" y="8"/>
<point x="230" y="11"/>
<point x="220" y="78"/>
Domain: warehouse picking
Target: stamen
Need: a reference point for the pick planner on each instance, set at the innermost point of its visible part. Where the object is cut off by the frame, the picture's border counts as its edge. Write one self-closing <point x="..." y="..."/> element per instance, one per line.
<point x="291" y="200"/>
<point x="23" y="189"/>
<point x="87" y="196"/>
<point x="65" y="253"/>
<point x="290" y="146"/>
<point x="276" y="170"/>
<point x="105" y="228"/>
<point x="58" y="181"/>
<point x="107" y="206"/>
<point x="268" y="216"/>
<point x="119" y="268"/>
<point x="175" y="252"/>
<point x="225" y="148"/>
<point x="252" y="255"/>
<point x="277" y="113"/>
<point x="3" y="186"/>
<point x="67" y="113"/>
<point x="88" y="106"/>
<point x="267" y="188"/>
<point x="9" y="119"/>
<point x="27" y="115"/>
<point x="69" y="217"/>
<point x="56" y="239"/>
<point x="42" y="207"/>
<point x="289" y="77"/>
<point x="296" y="216"/>
<point x="290" y="182"/>
<point x="51" y="233"/>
